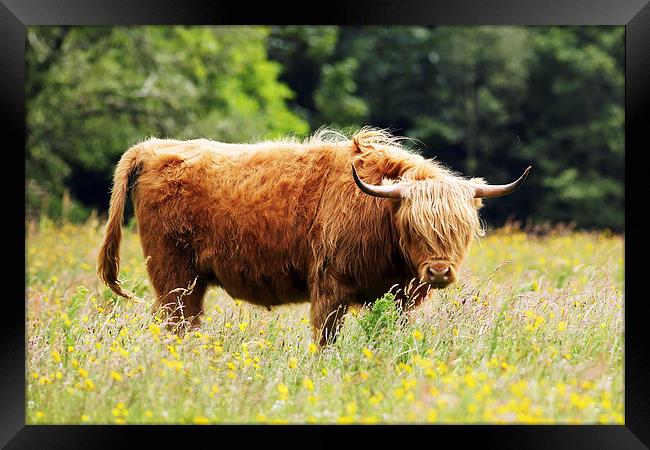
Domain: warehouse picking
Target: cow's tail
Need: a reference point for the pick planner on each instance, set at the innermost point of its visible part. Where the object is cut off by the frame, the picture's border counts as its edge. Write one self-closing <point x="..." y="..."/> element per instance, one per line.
<point x="108" y="259"/>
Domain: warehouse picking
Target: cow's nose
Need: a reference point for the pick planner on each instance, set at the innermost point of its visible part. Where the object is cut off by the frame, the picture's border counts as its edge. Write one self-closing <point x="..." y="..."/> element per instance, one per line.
<point x="438" y="270"/>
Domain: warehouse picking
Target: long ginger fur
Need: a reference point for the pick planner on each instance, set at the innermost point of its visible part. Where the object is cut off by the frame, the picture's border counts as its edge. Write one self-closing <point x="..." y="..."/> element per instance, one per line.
<point x="283" y="221"/>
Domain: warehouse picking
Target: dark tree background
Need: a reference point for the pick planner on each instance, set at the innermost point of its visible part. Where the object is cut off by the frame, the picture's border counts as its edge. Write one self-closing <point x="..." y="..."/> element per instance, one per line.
<point x="485" y="101"/>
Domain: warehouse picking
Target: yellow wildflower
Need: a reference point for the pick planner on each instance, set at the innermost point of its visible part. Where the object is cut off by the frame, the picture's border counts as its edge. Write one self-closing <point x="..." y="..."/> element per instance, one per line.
<point x="586" y="385"/>
<point x="405" y="367"/>
<point x="154" y="329"/>
<point x="470" y="380"/>
<point x="308" y="384"/>
<point x="519" y="388"/>
<point x="200" y="420"/>
<point x="344" y="420"/>
<point x="283" y="391"/>
<point x="399" y="393"/>
<point x="375" y="399"/>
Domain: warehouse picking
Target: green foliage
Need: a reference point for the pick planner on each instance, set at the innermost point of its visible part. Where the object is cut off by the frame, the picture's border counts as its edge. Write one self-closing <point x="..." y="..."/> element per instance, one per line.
<point x="335" y="100"/>
<point x="381" y="319"/>
<point x="577" y="92"/>
<point x="302" y="51"/>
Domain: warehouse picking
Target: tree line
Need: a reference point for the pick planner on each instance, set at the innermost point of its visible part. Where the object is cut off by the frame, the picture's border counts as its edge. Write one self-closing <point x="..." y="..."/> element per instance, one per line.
<point x="485" y="101"/>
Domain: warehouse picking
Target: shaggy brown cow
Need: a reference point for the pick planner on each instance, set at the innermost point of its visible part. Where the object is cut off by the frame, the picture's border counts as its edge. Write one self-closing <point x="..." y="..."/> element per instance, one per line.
<point x="282" y="222"/>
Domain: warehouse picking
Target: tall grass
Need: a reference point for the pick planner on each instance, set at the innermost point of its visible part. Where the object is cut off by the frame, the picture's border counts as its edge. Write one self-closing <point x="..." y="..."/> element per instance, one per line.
<point x="533" y="333"/>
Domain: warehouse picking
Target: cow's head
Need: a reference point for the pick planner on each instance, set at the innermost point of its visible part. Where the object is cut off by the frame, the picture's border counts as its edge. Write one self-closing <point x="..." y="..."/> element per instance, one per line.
<point x="436" y="220"/>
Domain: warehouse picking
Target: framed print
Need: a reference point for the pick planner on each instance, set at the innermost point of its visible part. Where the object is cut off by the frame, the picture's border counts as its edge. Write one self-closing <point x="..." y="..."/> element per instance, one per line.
<point x="385" y="216"/>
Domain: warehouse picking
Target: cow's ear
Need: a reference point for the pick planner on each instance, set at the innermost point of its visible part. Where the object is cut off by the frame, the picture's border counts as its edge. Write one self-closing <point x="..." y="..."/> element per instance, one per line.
<point x="478" y="202"/>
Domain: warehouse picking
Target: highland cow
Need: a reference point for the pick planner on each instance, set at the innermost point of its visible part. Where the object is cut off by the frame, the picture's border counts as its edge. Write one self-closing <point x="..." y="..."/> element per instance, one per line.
<point x="330" y="220"/>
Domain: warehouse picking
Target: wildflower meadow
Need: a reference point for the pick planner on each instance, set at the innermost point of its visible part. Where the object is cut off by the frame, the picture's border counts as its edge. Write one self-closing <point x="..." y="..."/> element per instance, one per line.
<point x="532" y="333"/>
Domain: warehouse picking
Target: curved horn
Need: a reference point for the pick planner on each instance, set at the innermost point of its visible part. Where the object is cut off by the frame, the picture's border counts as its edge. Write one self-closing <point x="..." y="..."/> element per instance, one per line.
<point x="499" y="190"/>
<point x="385" y="191"/>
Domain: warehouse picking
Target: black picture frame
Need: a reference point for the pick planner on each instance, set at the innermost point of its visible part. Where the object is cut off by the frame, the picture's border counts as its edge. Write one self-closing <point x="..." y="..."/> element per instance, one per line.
<point x="15" y="15"/>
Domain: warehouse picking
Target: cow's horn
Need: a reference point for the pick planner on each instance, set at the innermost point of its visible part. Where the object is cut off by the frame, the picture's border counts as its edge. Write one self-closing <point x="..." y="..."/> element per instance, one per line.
<point x="499" y="190"/>
<point x="385" y="191"/>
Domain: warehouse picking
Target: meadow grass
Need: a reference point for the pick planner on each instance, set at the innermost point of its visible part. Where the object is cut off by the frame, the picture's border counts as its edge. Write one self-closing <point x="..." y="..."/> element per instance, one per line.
<point x="532" y="333"/>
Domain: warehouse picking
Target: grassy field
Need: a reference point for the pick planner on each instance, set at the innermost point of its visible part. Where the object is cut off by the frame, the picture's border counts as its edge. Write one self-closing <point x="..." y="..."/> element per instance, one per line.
<point x="533" y="333"/>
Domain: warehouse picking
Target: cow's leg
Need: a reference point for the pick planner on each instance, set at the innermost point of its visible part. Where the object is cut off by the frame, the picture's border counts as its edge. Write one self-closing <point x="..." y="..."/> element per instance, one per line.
<point x="326" y="315"/>
<point x="329" y="302"/>
<point x="179" y="286"/>
<point x="183" y="305"/>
